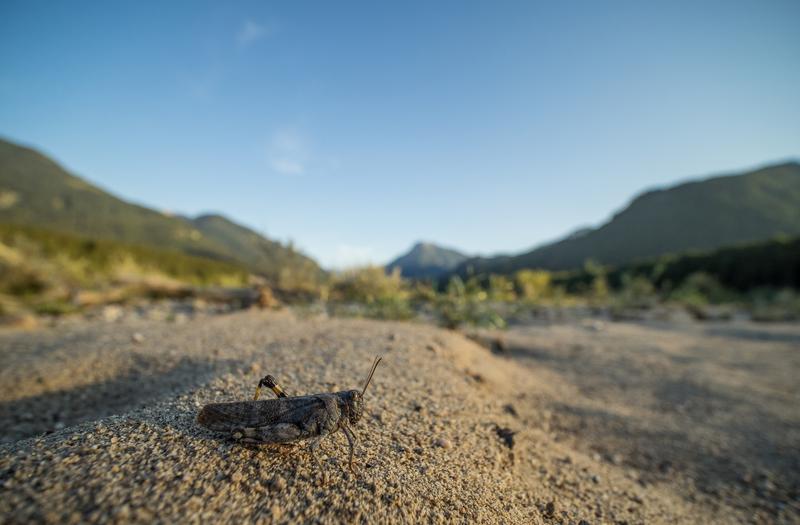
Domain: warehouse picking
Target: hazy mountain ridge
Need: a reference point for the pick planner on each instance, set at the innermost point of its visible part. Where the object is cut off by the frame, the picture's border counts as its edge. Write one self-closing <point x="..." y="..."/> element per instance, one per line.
<point x="692" y="216"/>
<point x="36" y="191"/>
<point x="427" y="260"/>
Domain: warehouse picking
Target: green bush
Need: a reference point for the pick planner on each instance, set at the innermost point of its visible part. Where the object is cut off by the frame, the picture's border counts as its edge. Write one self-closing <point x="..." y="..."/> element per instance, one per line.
<point x="533" y="285"/>
<point x="700" y="289"/>
<point x="466" y="303"/>
<point x="636" y="292"/>
<point x="367" y="285"/>
<point x="768" y="304"/>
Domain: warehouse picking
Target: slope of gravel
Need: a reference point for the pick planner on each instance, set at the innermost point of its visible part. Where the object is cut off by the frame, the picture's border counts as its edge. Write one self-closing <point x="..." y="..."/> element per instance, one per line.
<point x="712" y="408"/>
<point x="452" y="433"/>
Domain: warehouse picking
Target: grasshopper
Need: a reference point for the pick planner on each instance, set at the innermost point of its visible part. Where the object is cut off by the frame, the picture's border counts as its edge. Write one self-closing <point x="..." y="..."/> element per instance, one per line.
<point x="288" y="419"/>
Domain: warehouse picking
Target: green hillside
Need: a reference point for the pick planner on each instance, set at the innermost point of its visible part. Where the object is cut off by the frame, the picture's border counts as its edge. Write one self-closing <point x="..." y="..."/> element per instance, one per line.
<point x="695" y="216"/>
<point x="427" y="260"/>
<point x="35" y="191"/>
<point x="50" y="272"/>
<point x="287" y="267"/>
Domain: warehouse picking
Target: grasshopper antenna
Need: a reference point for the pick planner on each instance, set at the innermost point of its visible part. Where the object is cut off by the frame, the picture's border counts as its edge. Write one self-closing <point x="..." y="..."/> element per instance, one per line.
<point x="372" y="371"/>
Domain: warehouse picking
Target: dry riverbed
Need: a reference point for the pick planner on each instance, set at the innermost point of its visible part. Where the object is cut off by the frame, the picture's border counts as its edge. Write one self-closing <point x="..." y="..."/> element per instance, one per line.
<point x="573" y="423"/>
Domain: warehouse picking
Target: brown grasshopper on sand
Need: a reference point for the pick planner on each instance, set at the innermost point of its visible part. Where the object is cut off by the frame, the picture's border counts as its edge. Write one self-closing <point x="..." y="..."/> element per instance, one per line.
<point x="288" y="419"/>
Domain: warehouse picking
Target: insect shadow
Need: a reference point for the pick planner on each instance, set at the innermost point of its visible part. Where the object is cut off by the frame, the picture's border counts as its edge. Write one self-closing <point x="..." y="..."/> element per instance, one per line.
<point x="145" y="382"/>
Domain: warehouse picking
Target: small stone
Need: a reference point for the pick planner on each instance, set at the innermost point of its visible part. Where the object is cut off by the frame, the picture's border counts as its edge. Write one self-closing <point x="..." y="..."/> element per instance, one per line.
<point x="277" y="483"/>
<point x="766" y="485"/>
<point x="111" y="312"/>
<point x="276" y="511"/>
<point x="443" y="443"/>
<point x="550" y="509"/>
<point x="23" y="321"/>
<point x="137" y="338"/>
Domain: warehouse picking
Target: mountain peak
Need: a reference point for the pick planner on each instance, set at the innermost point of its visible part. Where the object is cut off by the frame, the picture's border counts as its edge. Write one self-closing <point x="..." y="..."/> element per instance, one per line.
<point x="427" y="260"/>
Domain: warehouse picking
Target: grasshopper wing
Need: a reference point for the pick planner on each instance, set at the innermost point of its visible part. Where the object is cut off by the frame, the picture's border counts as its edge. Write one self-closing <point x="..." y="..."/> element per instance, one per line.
<point x="226" y="416"/>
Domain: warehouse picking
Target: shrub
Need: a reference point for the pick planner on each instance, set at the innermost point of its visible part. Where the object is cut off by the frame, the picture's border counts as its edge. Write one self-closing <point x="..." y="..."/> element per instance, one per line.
<point x="533" y="285"/>
<point x="501" y="288"/>
<point x="367" y="285"/>
<point x="637" y="292"/>
<point x="465" y="303"/>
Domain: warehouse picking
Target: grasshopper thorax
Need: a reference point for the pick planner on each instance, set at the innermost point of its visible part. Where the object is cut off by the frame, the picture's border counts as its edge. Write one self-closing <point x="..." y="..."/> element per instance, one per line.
<point x="351" y="405"/>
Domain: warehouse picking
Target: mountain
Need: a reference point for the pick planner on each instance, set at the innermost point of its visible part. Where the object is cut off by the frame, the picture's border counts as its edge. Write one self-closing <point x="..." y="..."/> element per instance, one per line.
<point x="36" y="191"/>
<point x="427" y="260"/>
<point x="694" y="216"/>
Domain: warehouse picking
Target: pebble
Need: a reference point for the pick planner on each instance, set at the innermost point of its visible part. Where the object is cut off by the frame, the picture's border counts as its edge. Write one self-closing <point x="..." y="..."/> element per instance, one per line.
<point x="443" y="443"/>
<point x="277" y="484"/>
<point x="509" y="409"/>
<point x="137" y="338"/>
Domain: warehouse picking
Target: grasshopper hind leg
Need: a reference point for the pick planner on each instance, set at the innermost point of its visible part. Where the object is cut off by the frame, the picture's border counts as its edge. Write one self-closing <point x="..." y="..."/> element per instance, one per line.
<point x="313" y="447"/>
<point x="351" y="440"/>
<point x="269" y="382"/>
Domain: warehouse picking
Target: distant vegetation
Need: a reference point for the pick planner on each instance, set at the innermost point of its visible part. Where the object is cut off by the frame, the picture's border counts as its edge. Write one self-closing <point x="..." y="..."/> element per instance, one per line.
<point x="761" y="279"/>
<point x="50" y="272"/>
<point x="700" y="215"/>
<point x="771" y="264"/>
<point x="35" y="191"/>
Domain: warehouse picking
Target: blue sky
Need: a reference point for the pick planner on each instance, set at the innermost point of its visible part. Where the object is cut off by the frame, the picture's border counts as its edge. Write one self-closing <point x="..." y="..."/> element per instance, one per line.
<point x="355" y="128"/>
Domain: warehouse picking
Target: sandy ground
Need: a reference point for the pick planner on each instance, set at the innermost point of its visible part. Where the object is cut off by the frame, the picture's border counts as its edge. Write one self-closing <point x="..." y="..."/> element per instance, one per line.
<point x="574" y="423"/>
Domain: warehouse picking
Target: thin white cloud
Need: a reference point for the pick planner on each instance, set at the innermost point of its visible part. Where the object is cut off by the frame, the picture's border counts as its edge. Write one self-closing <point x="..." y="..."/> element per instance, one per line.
<point x="288" y="152"/>
<point x="287" y="166"/>
<point x="250" y="33"/>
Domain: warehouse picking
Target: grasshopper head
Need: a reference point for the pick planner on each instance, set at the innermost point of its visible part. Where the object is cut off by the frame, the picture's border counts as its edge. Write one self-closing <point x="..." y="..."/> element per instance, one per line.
<point x="353" y="405"/>
<point x="353" y="400"/>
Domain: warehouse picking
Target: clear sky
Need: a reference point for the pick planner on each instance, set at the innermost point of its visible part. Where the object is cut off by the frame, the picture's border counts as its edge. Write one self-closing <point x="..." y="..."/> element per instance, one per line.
<point x="355" y="128"/>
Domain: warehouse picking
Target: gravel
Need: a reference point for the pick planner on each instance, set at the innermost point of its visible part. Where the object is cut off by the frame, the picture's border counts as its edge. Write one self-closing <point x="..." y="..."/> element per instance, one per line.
<point x="428" y="450"/>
